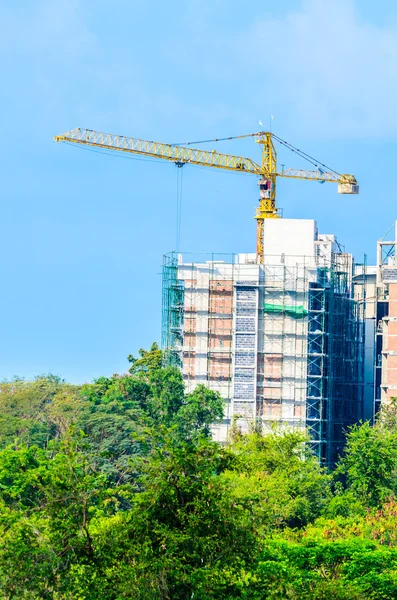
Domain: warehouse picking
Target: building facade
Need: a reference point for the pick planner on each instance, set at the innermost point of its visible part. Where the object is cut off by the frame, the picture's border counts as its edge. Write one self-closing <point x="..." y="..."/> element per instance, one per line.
<point x="375" y="289"/>
<point x="386" y="323"/>
<point x="282" y="341"/>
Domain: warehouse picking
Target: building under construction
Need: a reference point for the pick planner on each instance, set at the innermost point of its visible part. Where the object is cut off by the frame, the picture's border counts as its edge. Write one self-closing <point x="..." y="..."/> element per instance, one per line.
<point x="282" y="340"/>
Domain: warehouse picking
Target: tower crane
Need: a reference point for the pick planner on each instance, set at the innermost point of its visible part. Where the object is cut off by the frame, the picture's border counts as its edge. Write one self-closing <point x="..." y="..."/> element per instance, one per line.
<point x="267" y="171"/>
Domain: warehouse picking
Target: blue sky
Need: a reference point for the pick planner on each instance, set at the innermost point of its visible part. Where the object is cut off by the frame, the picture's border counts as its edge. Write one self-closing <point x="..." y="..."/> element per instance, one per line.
<point x="83" y="234"/>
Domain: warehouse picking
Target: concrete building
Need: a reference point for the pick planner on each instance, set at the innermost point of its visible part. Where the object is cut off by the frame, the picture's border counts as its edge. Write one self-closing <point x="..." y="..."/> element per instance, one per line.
<point x="281" y="340"/>
<point x="375" y="290"/>
<point x="365" y="293"/>
<point x="386" y="323"/>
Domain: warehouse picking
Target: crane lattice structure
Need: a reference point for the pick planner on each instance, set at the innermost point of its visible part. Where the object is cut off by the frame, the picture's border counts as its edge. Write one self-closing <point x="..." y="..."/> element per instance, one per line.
<point x="267" y="171"/>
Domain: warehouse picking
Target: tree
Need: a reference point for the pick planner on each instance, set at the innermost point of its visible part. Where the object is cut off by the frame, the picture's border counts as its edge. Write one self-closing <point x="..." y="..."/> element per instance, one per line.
<point x="387" y="416"/>
<point x="49" y="499"/>
<point x="114" y="489"/>
<point x="167" y="394"/>
<point x="149" y="361"/>
<point x="23" y="410"/>
<point x="114" y="423"/>
<point x="200" y="409"/>
<point x="184" y="528"/>
<point x="278" y="478"/>
<point x="369" y="463"/>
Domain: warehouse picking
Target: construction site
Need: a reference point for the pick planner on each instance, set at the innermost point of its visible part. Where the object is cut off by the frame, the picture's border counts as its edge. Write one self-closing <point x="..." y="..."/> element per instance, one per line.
<point x="296" y="333"/>
<point x="281" y="340"/>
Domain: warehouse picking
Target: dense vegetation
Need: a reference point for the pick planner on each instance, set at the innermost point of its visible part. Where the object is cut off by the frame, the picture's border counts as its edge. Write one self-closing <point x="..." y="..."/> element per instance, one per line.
<point x="115" y="490"/>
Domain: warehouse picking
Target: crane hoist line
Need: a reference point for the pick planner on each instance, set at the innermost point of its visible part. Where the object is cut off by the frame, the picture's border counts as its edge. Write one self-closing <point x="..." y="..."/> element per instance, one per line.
<point x="267" y="171"/>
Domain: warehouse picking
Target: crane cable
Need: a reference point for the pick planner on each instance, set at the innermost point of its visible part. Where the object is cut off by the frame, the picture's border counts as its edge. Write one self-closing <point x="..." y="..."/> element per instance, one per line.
<point x="387" y="232"/>
<point x="232" y="137"/>
<point x="111" y="153"/>
<point x="287" y="145"/>
<point x="179" y="184"/>
<point x="303" y="155"/>
<point x="179" y="187"/>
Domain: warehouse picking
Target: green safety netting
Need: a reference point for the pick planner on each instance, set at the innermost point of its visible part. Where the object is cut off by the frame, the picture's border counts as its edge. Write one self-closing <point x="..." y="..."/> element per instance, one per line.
<point x="293" y="311"/>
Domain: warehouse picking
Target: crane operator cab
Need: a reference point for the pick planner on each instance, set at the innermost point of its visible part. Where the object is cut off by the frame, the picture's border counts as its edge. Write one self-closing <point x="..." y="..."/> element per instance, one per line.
<point x="265" y="187"/>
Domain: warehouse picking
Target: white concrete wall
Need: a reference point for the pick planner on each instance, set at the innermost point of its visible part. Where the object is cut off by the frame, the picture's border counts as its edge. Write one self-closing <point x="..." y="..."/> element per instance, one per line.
<point x="286" y="239"/>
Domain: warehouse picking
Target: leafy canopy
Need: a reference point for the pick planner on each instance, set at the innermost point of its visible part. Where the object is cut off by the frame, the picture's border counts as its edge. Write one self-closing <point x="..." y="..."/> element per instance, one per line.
<point x="115" y="489"/>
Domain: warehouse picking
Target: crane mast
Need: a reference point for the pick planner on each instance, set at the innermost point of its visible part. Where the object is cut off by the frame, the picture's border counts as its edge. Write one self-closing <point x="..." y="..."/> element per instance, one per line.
<point x="267" y="190"/>
<point x="183" y="154"/>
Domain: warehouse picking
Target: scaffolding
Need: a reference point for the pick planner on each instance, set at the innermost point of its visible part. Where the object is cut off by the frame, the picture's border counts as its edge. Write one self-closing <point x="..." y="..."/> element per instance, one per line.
<point x="335" y="359"/>
<point x="282" y="377"/>
<point x="281" y="341"/>
<point x="173" y="308"/>
<point x="197" y="324"/>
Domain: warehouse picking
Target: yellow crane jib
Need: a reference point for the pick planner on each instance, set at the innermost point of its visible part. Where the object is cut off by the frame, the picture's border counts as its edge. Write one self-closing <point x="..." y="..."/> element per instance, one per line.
<point x="159" y="150"/>
<point x="183" y="154"/>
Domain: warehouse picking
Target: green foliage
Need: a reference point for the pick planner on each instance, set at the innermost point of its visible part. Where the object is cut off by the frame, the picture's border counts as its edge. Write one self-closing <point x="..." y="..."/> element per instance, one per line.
<point x="48" y="499"/>
<point x="23" y="407"/>
<point x="149" y="361"/>
<point x="186" y="518"/>
<point x="322" y="570"/>
<point x="167" y="394"/>
<point x="370" y="463"/>
<point x="200" y="409"/>
<point x="114" y="489"/>
<point x="279" y="479"/>
<point x="387" y="416"/>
